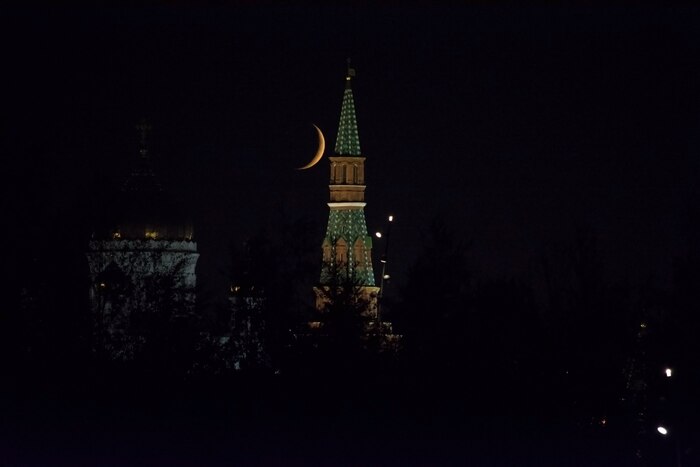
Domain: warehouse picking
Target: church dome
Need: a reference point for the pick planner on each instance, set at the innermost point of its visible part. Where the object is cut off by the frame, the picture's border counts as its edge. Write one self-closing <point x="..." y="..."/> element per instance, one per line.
<point x="142" y="210"/>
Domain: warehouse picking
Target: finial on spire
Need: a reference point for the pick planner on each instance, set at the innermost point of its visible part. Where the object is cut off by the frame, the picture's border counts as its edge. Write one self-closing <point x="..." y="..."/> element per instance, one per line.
<point x="144" y="128"/>
<point x="350" y="74"/>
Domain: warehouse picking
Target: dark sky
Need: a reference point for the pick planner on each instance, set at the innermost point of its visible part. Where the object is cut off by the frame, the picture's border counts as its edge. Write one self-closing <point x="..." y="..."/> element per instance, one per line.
<point x="516" y="125"/>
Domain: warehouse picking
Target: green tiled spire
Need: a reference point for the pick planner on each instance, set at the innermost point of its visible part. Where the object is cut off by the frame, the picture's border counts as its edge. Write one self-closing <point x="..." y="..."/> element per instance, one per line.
<point x="348" y="142"/>
<point x="347" y="249"/>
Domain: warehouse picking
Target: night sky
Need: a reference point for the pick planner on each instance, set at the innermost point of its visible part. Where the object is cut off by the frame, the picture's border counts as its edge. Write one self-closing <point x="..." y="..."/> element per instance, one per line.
<point x="516" y="126"/>
<point x="524" y="130"/>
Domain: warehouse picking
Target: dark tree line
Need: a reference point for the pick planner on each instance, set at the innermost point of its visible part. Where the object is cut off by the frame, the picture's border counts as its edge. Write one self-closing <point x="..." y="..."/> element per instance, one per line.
<point x="565" y="340"/>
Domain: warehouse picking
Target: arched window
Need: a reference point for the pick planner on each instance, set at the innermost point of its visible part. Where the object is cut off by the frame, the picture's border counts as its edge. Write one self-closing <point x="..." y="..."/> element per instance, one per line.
<point x="359" y="252"/>
<point x="326" y="251"/>
<point x="341" y="251"/>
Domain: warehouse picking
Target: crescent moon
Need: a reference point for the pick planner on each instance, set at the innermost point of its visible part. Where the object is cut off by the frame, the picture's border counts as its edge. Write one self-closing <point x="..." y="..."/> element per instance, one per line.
<point x="319" y="151"/>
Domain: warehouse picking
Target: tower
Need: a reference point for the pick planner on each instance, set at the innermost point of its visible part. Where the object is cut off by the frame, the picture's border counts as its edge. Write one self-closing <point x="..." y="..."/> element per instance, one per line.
<point x="347" y="248"/>
<point x="141" y="260"/>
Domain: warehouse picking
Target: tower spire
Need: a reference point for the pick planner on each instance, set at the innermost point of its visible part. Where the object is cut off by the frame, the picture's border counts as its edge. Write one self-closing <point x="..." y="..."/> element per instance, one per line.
<point x="349" y="75"/>
<point x="143" y="178"/>
<point x="144" y="128"/>
<point x="348" y="141"/>
<point x="346" y="246"/>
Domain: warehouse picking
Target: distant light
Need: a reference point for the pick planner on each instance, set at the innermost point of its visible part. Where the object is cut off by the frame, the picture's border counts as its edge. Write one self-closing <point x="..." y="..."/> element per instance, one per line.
<point x="378" y="234"/>
<point x="662" y="430"/>
<point x="668" y="372"/>
<point x="387" y="276"/>
<point x="643" y="325"/>
<point x="391" y="218"/>
<point x="103" y="285"/>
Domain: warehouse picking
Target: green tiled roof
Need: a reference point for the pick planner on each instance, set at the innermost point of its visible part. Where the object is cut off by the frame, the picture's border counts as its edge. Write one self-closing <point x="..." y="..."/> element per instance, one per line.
<point x="348" y="142"/>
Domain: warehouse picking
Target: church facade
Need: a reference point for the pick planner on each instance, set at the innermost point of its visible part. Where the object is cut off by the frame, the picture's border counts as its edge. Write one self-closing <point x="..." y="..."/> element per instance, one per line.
<point x="141" y="259"/>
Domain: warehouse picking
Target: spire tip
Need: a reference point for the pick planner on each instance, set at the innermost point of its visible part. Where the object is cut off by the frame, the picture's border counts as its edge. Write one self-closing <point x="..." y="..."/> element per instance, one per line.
<point x="349" y="75"/>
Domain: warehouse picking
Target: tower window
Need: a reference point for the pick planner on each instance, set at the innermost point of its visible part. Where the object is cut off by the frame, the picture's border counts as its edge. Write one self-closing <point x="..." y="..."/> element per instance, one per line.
<point x="326" y="251"/>
<point x="358" y="253"/>
<point x="341" y="251"/>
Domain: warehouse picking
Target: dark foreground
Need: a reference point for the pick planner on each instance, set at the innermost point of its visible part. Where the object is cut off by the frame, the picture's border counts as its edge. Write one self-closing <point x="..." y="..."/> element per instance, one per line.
<point x="303" y="419"/>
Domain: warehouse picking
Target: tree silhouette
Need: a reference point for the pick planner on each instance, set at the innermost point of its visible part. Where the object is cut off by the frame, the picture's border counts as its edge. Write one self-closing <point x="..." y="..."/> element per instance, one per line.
<point x="346" y="318"/>
<point x="432" y="313"/>
<point x="588" y="320"/>
<point x="272" y="274"/>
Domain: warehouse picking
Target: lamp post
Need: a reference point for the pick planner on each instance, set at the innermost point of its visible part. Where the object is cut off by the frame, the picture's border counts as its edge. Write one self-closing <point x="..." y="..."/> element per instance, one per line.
<point x="664" y="429"/>
<point x="384" y="260"/>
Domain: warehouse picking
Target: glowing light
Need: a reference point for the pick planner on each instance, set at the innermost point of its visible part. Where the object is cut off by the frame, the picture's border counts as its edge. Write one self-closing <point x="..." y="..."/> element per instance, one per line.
<point x="103" y="285"/>
<point x="378" y="234"/>
<point x="662" y="430"/>
<point x="391" y="218"/>
<point x="387" y="276"/>
<point x="152" y="234"/>
<point x="668" y="372"/>
<point x="643" y="325"/>
<point x="116" y="235"/>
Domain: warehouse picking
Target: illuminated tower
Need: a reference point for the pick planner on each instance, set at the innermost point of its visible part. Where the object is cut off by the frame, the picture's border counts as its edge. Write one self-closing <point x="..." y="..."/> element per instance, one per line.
<point x="142" y="264"/>
<point x="347" y="249"/>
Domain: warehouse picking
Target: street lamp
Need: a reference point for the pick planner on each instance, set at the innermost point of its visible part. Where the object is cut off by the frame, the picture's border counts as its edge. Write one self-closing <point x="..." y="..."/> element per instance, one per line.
<point x="385" y="256"/>
<point x="384" y="260"/>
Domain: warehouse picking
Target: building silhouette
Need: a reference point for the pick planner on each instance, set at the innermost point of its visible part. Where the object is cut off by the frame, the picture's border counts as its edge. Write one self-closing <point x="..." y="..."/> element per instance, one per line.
<point x="142" y="259"/>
